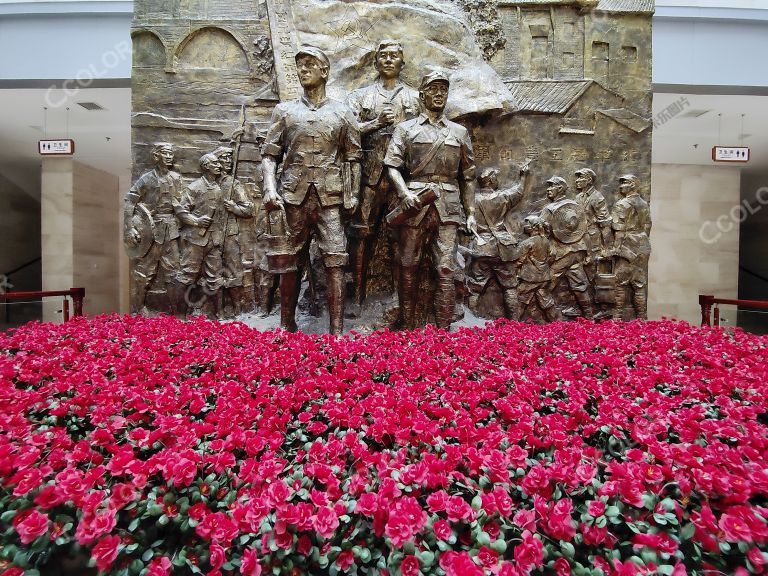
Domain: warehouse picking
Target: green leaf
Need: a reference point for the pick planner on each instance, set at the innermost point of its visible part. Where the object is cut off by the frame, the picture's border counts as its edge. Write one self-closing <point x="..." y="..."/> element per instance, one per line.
<point x="499" y="546"/>
<point x="484" y="539"/>
<point x="6" y="517"/>
<point x="665" y="570"/>
<point x="426" y="558"/>
<point x="148" y="555"/>
<point x="568" y="550"/>
<point x="612" y="511"/>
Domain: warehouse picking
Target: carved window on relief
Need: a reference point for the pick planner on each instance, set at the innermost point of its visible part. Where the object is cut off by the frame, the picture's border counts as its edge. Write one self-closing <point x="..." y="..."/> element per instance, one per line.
<point x="629" y="54"/>
<point x="541" y="52"/>
<point x="148" y="50"/>
<point x="601" y="61"/>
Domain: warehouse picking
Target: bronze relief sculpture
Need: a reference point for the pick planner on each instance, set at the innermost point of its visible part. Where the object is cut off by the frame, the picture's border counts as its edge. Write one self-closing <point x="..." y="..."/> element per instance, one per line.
<point x="374" y="188"/>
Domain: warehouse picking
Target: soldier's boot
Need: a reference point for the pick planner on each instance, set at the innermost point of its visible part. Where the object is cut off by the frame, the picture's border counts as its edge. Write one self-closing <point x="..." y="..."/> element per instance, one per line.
<point x="335" y="279"/>
<point x="358" y="256"/>
<point x="585" y="303"/>
<point x="217" y="304"/>
<point x="511" y="304"/>
<point x="235" y="294"/>
<point x="177" y="293"/>
<point x="552" y="314"/>
<point x="621" y="301"/>
<point x="445" y="302"/>
<point x="406" y="293"/>
<point x="141" y="298"/>
<point x="639" y="302"/>
<point x="289" y="298"/>
<point x="265" y="297"/>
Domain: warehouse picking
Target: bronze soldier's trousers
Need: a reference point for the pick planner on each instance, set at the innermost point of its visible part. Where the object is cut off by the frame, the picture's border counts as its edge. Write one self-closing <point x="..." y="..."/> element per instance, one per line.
<point x="441" y="238"/>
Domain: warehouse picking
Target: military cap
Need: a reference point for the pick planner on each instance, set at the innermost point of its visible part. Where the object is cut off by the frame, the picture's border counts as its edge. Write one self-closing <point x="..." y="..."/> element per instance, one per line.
<point x="434" y="77"/>
<point x="315" y="52"/>
<point x="557" y="180"/>
<point x="586" y="171"/>
<point x="630" y="178"/>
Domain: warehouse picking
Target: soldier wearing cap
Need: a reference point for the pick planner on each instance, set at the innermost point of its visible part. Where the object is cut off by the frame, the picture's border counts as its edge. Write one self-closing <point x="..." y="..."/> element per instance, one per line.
<point x="631" y="218"/>
<point x="157" y="191"/>
<point x="435" y="156"/>
<point x="494" y="251"/>
<point x="565" y="218"/>
<point x="378" y="107"/>
<point x="237" y="204"/>
<point x="598" y="217"/>
<point x="203" y="217"/>
<point x="314" y="136"/>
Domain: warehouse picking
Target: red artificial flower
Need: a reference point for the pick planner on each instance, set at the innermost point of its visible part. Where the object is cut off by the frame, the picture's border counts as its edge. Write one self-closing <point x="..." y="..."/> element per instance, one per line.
<point x="409" y="566"/>
<point x="30" y="525"/>
<point x="105" y="552"/>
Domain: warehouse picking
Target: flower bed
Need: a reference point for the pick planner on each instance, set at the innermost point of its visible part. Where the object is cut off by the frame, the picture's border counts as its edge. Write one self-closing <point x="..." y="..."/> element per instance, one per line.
<point x="156" y="446"/>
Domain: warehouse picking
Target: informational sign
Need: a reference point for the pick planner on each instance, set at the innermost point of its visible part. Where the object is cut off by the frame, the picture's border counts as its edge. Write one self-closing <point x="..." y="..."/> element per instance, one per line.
<point x="56" y="147"/>
<point x="730" y="154"/>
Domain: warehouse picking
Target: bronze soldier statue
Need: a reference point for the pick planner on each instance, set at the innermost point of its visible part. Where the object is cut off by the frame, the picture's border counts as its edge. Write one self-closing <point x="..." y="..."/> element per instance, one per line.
<point x="632" y="247"/>
<point x="318" y="141"/>
<point x="378" y="107"/>
<point x="534" y="272"/>
<point x="435" y="155"/>
<point x="203" y="217"/>
<point x="151" y="227"/>
<point x="237" y="204"/>
<point x="565" y="218"/>
<point x="598" y="217"/>
<point x="494" y="250"/>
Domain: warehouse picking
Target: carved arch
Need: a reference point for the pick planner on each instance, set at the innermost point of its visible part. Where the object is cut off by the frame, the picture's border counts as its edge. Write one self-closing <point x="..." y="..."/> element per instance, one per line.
<point x="149" y="49"/>
<point x="211" y="48"/>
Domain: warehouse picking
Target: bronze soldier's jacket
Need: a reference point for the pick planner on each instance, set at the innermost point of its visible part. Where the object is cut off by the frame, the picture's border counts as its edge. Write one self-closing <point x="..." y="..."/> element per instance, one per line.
<point x="203" y="198"/>
<point x="411" y="143"/>
<point x="313" y="142"/>
<point x="159" y="194"/>
<point x="596" y="211"/>
<point x="491" y="210"/>
<point x="632" y="215"/>
<point x="367" y="103"/>
<point x="535" y="253"/>
<point x="232" y="189"/>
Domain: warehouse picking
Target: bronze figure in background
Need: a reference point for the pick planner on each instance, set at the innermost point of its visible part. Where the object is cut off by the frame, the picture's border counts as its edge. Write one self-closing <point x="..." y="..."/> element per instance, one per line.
<point x="237" y="205"/>
<point x="151" y="228"/>
<point x="203" y="217"/>
<point x="318" y="141"/>
<point x="493" y="250"/>
<point x="436" y="156"/>
<point x="378" y="107"/>
<point x="566" y="220"/>
<point x="631" y="217"/>
<point x="533" y="270"/>
<point x="597" y="237"/>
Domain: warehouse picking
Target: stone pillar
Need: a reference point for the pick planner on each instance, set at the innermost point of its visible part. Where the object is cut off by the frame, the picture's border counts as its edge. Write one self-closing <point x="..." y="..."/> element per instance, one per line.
<point x="80" y="235"/>
<point x="56" y="231"/>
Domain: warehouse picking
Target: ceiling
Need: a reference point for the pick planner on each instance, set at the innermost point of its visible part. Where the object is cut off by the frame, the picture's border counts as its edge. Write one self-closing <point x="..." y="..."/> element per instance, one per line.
<point x="707" y="120"/>
<point x="102" y="137"/>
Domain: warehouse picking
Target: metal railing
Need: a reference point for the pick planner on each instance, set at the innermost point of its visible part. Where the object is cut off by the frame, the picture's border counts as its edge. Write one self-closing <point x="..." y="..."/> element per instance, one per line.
<point x="76" y="294"/>
<point x="706" y="302"/>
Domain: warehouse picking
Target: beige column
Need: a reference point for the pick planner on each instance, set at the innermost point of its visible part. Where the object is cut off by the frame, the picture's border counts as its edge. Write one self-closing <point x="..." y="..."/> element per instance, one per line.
<point x="56" y="231"/>
<point x="79" y="235"/>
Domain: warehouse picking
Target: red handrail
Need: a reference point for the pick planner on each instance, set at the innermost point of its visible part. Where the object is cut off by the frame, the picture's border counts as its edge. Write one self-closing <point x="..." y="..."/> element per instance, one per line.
<point x="77" y="295"/>
<point x="706" y="302"/>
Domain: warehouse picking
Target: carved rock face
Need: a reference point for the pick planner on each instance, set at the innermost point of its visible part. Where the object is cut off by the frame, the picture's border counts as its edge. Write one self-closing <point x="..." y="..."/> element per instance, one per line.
<point x="435" y="34"/>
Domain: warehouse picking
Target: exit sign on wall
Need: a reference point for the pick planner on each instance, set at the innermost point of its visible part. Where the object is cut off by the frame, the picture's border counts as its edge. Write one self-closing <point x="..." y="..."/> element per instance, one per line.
<point x="56" y="147"/>
<point x="730" y="154"/>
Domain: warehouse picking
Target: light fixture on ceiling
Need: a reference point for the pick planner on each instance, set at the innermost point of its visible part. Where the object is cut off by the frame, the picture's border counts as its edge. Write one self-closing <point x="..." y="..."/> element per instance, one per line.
<point x="90" y="106"/>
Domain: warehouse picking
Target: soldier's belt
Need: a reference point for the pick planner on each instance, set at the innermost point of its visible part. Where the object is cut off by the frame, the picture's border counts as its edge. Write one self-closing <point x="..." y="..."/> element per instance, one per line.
<point x="447" y="182"/>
